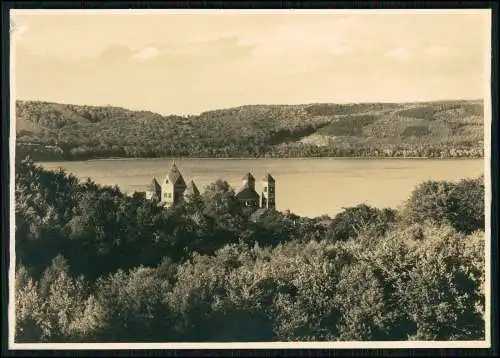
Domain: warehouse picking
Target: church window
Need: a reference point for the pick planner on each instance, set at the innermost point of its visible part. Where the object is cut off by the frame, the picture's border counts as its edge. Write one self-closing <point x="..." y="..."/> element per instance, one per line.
<point x="265" y="189"/>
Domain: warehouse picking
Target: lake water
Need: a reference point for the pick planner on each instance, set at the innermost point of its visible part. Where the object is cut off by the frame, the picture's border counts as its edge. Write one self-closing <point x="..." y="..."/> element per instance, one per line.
<point x="307" y="187"/>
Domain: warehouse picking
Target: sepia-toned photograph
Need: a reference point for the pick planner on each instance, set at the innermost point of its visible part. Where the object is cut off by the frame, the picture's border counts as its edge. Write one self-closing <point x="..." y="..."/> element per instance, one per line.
<point x="270" y="178"/>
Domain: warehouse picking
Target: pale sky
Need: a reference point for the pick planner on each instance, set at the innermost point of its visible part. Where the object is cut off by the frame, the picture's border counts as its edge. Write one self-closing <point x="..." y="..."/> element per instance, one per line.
<point x="187" y="63"/>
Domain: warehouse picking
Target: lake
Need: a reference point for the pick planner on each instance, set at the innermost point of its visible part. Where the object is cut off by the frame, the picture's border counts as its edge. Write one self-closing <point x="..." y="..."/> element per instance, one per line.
<point x="308" y="187"/>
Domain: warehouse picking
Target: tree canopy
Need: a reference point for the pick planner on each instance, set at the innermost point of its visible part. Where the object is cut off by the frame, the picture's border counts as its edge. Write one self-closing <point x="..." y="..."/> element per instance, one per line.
<point x="95" y="265"/>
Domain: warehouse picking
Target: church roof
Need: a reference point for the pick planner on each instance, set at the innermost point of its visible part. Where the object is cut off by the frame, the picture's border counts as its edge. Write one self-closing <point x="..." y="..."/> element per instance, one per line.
<point x="154" y="186"/>
<point x="192" y="189"/>
<point x="268" y="177"/>
<point x="247" y="193"/>
<point x="175" y="177"/>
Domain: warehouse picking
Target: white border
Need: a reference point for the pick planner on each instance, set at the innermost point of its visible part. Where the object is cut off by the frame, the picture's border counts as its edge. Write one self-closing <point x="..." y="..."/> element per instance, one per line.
<point x="106" y="12"/>
<point x="271" y="345"/>
<point x="246" y="345"/>
<point x="12" y="221"/>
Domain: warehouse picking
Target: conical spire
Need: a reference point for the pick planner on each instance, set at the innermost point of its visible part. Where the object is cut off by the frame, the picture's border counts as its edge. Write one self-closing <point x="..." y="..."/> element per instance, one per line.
<point x="268" y="177"/>
<point x="248" y="176"/>
<point x="192" y="189"/>
<point x="174" y="175"/>
<point x="248" y="181"/>
<point x="154" y="186"/>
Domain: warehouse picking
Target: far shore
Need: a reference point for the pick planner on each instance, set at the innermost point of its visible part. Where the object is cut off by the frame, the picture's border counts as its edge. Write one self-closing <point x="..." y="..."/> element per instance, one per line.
<point x="257" y="158"/>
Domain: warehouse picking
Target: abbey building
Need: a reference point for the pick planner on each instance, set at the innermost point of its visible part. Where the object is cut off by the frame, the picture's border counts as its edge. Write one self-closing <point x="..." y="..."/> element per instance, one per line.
<point x="249" y="197"/>
<point x="173" y="189"/>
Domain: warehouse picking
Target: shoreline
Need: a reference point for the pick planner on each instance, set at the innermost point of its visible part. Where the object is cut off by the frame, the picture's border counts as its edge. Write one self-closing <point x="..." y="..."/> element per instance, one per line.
<point x="254" y="158"/>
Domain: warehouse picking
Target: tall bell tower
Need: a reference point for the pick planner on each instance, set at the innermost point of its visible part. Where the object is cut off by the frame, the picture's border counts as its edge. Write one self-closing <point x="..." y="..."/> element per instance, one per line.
<point x="268" y="197"/>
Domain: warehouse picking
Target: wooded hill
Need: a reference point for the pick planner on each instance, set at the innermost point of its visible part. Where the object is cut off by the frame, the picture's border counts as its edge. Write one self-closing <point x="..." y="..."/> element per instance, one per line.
<point x="53" y="131"/>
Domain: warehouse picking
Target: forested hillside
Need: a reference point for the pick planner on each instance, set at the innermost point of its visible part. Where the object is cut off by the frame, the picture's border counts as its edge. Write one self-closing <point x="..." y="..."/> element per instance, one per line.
<point x="95" y="265"/>
<point x="52" y="131"/>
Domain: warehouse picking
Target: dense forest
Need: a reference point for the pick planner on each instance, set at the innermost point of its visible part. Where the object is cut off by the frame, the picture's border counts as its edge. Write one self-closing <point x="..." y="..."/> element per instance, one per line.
<point x="95" y="265"/>
<point x="447" y="129"/>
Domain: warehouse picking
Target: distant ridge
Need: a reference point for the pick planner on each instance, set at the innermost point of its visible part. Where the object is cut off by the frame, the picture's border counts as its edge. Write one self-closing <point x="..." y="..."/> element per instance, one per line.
<point x="441" y="129"/>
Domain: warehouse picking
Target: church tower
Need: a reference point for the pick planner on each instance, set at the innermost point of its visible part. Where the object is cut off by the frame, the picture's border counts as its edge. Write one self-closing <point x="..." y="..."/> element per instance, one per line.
<point x="249" y="181"/>
<point x="268" y="197"/>
<point x="247" y="195"/>
<point x="191" y="191"/>
<point x="173" y="187"/>
<point x="153" y="190"/>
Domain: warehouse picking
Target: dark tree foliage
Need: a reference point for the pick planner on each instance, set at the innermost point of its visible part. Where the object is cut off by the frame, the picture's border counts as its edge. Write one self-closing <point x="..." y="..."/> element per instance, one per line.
<point x="95" y="265"/>
<point x="460" y="204"/>
<point x="99" y="229"/>
<point x="354" y="220"/>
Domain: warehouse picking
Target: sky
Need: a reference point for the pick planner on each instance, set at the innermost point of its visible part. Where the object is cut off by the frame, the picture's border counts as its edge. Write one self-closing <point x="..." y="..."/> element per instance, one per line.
<point x="189" y="62"/>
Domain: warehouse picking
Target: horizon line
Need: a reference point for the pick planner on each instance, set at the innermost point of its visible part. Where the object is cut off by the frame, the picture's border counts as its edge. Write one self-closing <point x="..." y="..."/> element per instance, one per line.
<point x="165" y="114"/>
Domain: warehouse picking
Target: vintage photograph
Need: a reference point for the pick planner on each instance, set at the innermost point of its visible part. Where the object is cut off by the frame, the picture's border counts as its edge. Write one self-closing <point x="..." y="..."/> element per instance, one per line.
<point x="317" y="178"/>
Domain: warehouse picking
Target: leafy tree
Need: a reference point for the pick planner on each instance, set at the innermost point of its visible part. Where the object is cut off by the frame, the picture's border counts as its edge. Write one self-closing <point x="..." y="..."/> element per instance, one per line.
<point x="354" y="220"/>
<point x="51" y="311"/>
<point x="460" y="205"/>
<point x="29" y="319"/>
<point x="469" y="197"/>
<point x="132" y="307"/>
